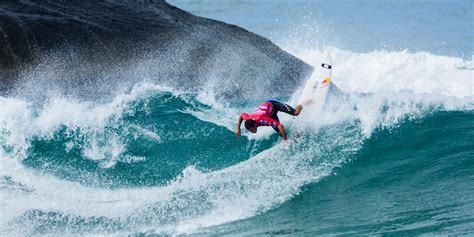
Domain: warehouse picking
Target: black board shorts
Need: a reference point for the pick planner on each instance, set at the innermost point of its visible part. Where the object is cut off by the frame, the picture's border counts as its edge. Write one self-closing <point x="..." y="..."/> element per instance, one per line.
<point x="278" y="106"/>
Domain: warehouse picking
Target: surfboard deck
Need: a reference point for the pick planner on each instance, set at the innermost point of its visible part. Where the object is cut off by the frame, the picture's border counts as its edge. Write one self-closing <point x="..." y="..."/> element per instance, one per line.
<point x="316" y="89"/>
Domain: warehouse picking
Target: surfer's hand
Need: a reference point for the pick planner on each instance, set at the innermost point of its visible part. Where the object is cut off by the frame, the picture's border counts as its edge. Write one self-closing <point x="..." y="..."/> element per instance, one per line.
<point x="237" y="132"/>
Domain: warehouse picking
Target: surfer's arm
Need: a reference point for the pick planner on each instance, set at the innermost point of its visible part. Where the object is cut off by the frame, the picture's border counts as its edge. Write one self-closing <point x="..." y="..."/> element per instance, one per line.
<point x="239" y="122"/>
<point x="281" y="128"/>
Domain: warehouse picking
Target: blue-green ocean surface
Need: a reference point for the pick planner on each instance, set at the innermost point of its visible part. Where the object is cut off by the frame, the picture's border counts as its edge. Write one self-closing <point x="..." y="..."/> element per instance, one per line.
<point x="391" y="154"/>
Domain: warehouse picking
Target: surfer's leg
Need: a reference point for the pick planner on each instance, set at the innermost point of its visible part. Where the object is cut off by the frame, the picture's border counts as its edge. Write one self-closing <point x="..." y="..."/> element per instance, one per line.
<point x="278" y="106"/>
<point x="274" y="115"/>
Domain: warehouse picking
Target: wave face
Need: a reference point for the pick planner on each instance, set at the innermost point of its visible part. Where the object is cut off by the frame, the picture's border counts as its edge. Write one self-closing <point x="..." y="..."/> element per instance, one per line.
<point x="148" y="158"/>
<point x="412" y="180"/>
<point x="393" y="159"/>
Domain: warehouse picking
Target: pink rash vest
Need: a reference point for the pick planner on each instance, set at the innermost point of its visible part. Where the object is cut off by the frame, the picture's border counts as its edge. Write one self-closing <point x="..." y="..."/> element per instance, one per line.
<point x="262" y="116"/>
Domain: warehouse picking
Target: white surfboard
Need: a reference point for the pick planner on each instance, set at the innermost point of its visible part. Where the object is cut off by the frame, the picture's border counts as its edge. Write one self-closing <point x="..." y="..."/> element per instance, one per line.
<point x="316" y="89"/>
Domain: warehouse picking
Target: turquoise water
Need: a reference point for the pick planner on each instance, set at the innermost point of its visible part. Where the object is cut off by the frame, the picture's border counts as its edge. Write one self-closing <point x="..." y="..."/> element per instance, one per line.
<point x="392" y="155"/>
<point x="411" y="181"/>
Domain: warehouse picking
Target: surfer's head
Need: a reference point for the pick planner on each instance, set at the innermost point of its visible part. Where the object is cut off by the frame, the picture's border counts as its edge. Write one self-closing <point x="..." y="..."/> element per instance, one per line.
<point x="251" y="125"/>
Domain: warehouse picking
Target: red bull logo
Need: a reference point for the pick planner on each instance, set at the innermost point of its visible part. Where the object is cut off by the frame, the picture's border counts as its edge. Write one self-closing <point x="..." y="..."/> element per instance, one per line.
<point x="326" y="82"/>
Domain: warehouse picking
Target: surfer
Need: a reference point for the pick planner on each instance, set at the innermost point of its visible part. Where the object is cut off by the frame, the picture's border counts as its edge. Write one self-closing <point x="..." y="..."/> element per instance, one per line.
<point x="266" y="115"/>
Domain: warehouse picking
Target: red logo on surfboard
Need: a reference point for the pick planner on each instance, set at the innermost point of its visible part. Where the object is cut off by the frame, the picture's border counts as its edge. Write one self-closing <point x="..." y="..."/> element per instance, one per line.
<point x="326" y="82"/>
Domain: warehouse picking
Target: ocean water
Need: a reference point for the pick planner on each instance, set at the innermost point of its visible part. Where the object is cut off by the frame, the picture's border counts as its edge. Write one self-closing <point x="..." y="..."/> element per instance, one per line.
<point x="392" y="155"/>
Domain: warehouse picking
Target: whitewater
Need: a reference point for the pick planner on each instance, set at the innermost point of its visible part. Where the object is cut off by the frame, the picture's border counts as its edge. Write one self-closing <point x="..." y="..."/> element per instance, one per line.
<point x="392" y="153"/>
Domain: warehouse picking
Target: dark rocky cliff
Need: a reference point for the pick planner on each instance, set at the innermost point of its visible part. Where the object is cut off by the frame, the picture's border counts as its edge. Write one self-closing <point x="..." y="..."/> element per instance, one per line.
<point x="79" y="46"/>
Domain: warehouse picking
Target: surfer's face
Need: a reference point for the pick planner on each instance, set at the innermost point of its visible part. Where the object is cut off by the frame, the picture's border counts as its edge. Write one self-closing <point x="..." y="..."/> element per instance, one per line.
<point x="253" y="129"/>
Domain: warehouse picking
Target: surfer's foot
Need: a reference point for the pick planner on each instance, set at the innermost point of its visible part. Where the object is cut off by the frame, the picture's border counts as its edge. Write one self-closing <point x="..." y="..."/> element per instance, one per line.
<point x="298" y="109"/>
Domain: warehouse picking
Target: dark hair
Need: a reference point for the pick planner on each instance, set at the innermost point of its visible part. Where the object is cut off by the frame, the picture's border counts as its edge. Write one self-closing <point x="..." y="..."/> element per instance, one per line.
<point x="249" y="124"/>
